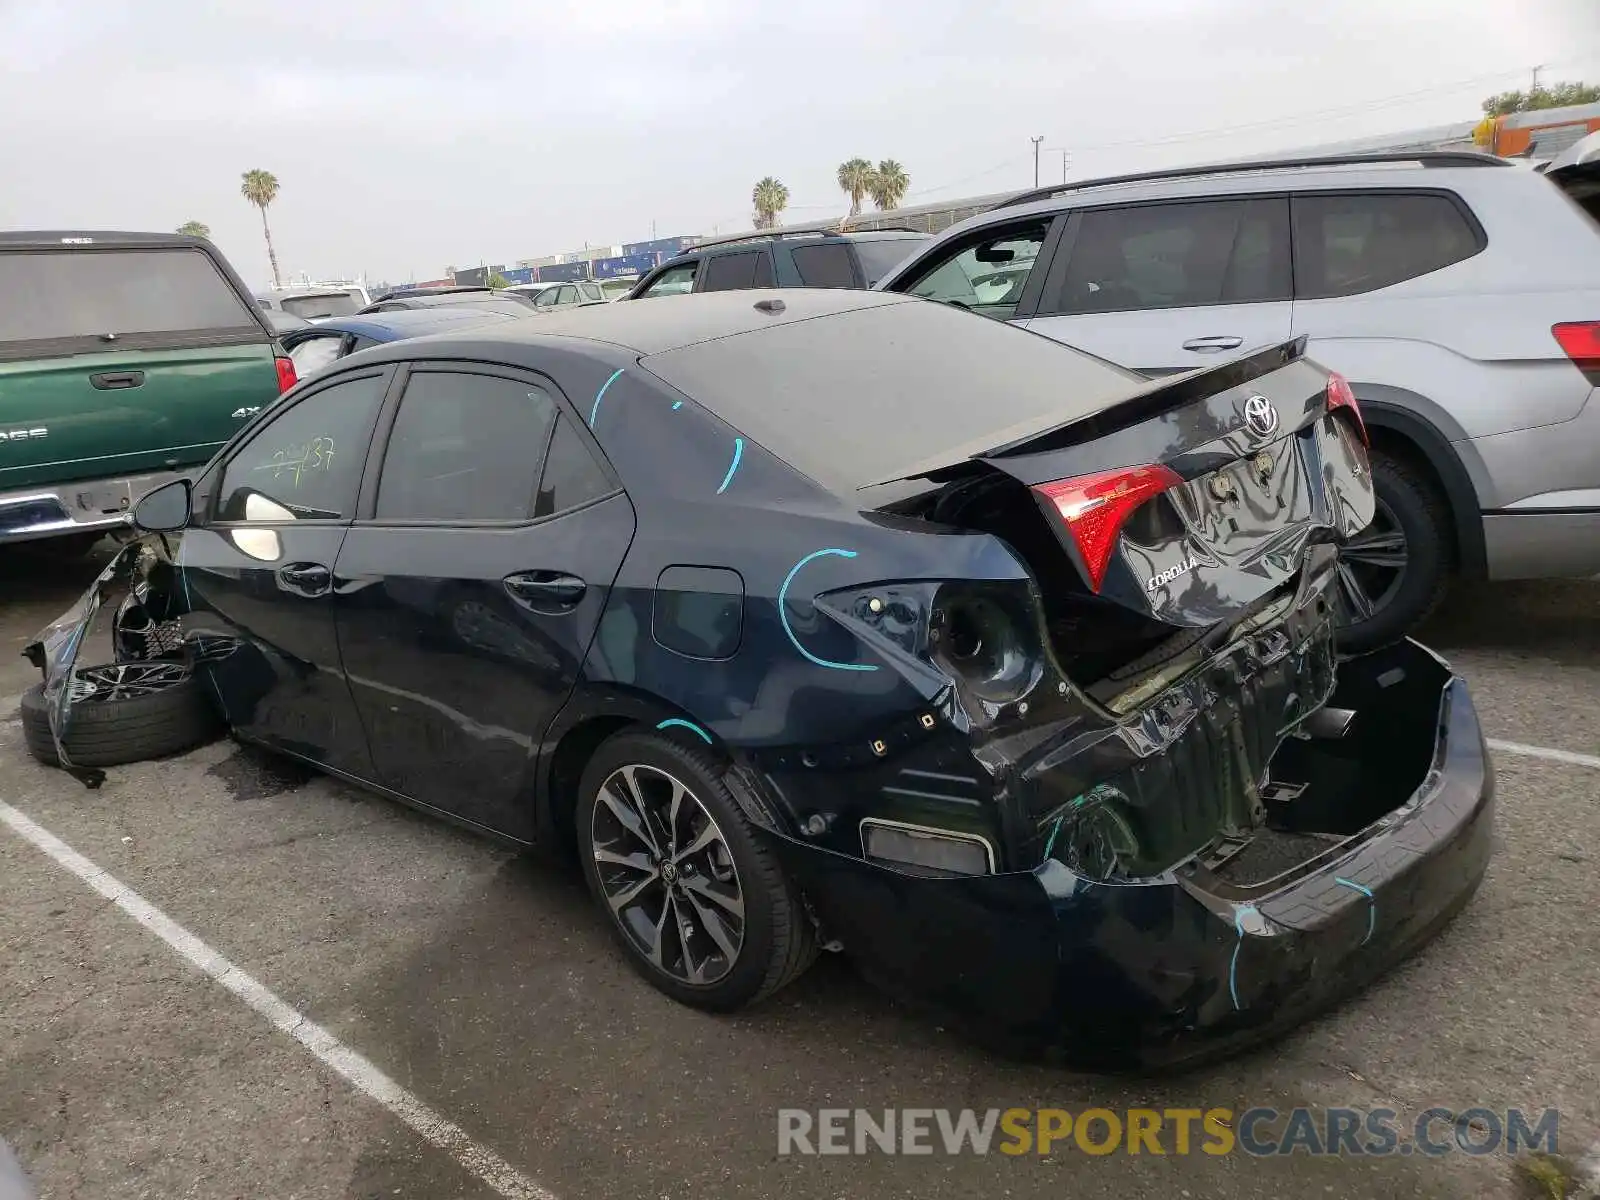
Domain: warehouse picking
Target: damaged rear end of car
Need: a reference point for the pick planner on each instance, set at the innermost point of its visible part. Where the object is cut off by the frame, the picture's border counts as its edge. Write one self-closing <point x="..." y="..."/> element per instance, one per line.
<point x="1145" y="811"/>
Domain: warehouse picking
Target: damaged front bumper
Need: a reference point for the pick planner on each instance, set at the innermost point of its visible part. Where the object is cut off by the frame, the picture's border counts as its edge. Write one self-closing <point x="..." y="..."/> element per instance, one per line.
<point x="1202" y="959"/>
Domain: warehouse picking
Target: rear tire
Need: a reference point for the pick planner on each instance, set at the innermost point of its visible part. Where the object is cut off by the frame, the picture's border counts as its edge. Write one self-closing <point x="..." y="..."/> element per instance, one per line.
<point x="108" y="732"/>
<point x="774" y="939"/>
<point x="1378" y="609"/>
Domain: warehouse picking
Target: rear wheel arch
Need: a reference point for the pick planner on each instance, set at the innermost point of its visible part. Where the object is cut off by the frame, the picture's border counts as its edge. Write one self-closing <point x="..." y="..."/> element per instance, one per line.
<point x="1400" y="433"/>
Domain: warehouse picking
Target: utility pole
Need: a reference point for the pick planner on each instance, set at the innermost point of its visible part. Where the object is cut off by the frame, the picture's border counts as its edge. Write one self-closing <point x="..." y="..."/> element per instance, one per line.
<point x="1534" y="87"/>
<point x="1036" y="142"/>
<point x="1064" y="157"/>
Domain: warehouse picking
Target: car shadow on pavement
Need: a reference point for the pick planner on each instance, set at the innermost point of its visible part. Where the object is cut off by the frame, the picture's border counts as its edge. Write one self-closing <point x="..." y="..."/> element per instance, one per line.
<point x="1554" y="619"/>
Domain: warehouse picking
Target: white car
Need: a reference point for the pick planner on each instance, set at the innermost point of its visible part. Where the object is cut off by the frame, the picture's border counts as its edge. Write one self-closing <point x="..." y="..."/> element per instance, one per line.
<point x="561" y="295"/>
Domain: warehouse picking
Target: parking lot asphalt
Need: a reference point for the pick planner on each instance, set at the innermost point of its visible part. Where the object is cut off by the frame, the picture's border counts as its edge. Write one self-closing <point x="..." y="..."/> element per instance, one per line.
<point x="482" y="982"/>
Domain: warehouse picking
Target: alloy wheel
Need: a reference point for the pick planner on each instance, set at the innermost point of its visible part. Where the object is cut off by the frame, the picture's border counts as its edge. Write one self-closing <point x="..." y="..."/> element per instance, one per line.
<point x="667" y="874"/>
<point x="126" y="680"/>
<point x="1372" y="566"/>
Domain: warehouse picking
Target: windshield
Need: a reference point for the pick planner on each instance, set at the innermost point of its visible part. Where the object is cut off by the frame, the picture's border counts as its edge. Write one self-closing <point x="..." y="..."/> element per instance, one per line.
<point x="331" y="304"/>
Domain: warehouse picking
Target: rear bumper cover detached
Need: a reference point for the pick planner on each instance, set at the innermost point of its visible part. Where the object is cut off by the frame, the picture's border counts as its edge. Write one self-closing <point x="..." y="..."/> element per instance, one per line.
<point x="1161" y="972"/>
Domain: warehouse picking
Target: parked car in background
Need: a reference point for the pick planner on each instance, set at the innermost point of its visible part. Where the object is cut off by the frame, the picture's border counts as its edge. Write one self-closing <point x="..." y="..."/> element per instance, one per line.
<point x="834" y="618"/>
<point x="126" y="359"/>
<point x="316" y="347"/>
<point x="443" y="297"/>
<point x="782" y="258"/>
<point x="546" y="296"/>
<point x="313" y="303"/>
<point x="1459" y="294"/>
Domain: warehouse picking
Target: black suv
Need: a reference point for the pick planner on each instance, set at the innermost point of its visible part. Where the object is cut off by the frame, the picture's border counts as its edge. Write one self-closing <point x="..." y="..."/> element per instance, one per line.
<point x="782" y="258"/>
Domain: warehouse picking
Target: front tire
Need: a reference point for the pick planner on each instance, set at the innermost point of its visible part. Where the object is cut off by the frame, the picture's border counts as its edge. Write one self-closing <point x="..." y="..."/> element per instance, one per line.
<point x="126" y="712"/>
<point x="1394" y="573"/>
<point x="701" y="909"/>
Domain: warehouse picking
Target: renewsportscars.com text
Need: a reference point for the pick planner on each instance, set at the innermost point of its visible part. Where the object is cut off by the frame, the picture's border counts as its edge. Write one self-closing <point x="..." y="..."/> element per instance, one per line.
<point x="1176" y="1131"/>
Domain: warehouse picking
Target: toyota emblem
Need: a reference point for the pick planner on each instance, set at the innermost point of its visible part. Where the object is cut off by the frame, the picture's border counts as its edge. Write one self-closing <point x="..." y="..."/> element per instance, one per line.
<point x="1260" y="416"/>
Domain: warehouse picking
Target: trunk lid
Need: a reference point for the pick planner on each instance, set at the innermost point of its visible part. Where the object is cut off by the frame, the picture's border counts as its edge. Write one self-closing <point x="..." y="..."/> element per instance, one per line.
<point x="1188" y="503"/>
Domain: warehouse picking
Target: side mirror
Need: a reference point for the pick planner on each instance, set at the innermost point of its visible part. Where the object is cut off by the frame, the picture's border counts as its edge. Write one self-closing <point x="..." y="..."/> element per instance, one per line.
<point x="165" y="510"/>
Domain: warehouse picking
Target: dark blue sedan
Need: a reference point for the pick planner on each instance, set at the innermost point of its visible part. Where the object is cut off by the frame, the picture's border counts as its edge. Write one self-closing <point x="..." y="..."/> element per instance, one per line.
<point x="314" y="347"/>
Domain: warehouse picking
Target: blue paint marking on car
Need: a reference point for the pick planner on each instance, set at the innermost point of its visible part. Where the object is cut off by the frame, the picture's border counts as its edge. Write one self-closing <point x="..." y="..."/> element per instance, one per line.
<point x="1372" y="907"/>
<point x="598" y="396"/>
<point x="738" y="453"/>
<point x="680" y="723"/>
<point x="783" y="615"/>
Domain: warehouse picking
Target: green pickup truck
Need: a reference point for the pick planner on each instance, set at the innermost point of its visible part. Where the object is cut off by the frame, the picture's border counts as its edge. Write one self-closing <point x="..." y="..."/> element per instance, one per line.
<point x="126" y="359"/>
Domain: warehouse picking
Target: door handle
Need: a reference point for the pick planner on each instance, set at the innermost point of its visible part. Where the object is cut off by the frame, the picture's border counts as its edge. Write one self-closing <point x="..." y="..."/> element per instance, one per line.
<point x="112" y="381"/>
<point x="309" y="579"/>
<point x="1209" y="345"/>
<point x="546" y="589"/>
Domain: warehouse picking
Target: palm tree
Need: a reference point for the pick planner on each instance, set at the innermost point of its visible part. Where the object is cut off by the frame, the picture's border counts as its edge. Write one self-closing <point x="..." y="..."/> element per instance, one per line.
<point x="261" y="189"/>
<point x="855" y="181"/>
<point x="197" y="229"/>
<point x="889" y="184"/>
<point x="770" y="198"/>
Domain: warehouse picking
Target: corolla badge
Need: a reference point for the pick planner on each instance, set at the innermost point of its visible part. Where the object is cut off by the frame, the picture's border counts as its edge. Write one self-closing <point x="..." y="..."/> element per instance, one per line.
<point x="1161" y="578"/>
<point x="1259" y="415"/>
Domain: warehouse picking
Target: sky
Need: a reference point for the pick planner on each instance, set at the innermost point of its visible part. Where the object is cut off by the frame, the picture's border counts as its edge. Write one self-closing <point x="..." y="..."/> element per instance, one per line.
<point x="408" y="137"/>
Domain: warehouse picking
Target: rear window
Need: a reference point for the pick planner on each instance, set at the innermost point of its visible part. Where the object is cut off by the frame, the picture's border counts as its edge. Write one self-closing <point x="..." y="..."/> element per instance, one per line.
<point x="335" y="304"/>
<point x="53" y="294"/>
<point x="1346" y="244"/>
<point x="882" y="393"/>
<point x="826" y="265"/>
<point x="728" y="272"/>
<point x="879" y="256"/>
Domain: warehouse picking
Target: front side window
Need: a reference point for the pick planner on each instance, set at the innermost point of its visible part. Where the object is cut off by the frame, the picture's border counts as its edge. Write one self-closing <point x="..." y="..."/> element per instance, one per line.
<point x="674" y="281"/>
<point x="1346" y="244"/>
<point x="985" y="275"/>
<point x="465" y="448"/>
<point x="1177" y="256"/>
<point x="306" y="461"/>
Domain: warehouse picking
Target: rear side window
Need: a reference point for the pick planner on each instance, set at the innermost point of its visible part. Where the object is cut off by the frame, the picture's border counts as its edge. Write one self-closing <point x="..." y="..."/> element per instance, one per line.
<point x="825" y="266"/>
<point x="1346" y="244"/>
<point x="465" y="448"/>
<point x="91" y="293"/>
<point x="729" y="272"/>
<point x="571" y="474"/>
<point x="1177" y="256"/>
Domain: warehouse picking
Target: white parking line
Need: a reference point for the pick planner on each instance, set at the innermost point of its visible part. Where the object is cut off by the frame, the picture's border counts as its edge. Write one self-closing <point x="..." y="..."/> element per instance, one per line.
<point x="355" y="1068"/>
<point x="1546" y="752"/>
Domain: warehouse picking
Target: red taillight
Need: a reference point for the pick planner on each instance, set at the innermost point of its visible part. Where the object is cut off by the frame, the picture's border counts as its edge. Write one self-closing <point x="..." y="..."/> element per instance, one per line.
<point x="1341" y="397"/>
<point x="1580" y="340"/>
<point x="1095" y="508"/>
<point x="286" y="375"/>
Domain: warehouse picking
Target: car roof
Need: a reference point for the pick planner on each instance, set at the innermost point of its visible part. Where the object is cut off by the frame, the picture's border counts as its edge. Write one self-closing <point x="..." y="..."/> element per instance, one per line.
<point x="56" y="238"/>
<point x="413" y="322"/>
<point x="1449" y="171"/>
<point x="671" y="322"/>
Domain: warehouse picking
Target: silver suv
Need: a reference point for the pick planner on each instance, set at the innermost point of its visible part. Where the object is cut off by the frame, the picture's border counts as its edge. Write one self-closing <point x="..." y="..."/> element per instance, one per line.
<point x="1458" y="293"/>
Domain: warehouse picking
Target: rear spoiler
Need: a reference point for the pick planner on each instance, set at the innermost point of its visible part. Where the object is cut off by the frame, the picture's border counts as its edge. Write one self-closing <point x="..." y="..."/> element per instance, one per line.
<point x="1155" y="398"/>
